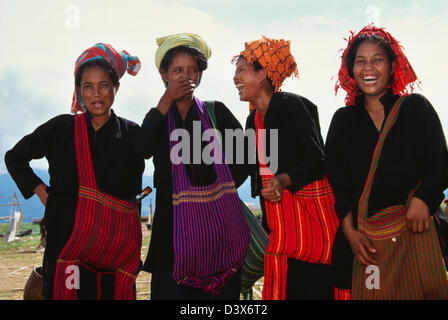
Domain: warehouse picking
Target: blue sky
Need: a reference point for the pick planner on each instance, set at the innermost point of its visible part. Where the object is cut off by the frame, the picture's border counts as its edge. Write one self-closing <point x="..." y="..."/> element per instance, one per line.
<point x="40" y="40"/>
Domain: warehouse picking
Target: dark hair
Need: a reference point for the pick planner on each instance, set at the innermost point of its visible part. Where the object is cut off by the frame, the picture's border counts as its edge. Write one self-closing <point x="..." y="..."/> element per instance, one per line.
<point x="200" y="58"/>
<point x="257" y="66"/>
<point x="380" y="41"/>
<point x="103" y="63"/>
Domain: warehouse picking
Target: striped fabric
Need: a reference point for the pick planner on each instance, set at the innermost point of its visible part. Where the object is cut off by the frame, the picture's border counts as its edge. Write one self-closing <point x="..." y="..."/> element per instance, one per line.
<point x="120" y="62"/>
<point x="342" y="294"/>
<point x="302" y="225"/>
<point x="107" y="231"/>
<point x="410" y="266"/>
<point x="210" y="231"/>
<point x="190" y="196"/>
<point x="253" y="267"/>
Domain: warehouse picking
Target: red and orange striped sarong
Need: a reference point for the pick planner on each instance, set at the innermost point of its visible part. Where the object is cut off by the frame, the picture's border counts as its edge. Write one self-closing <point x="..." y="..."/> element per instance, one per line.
<point x="302" y="226"/>
<point x="106" y="234"/>
<point x="410" y="266"/>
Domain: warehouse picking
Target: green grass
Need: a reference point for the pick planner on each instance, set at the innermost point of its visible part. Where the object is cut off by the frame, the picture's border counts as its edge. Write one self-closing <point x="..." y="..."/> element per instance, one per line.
<point x="29" y="242"/>
<point x="257" y="213"/>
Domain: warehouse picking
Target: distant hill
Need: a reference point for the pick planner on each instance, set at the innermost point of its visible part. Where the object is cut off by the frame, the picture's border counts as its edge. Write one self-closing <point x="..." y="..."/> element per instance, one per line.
<point x="32" y="208"/>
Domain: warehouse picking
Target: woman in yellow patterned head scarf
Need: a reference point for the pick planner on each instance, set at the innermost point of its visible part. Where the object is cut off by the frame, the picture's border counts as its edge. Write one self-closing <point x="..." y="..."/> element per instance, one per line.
<point x="296" y="199"/>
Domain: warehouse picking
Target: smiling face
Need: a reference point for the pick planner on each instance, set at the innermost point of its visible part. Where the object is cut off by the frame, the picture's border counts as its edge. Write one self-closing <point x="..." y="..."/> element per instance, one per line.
<point x="372" y="69"/>
<point x="248" y="81"/>
<point x="97" y="90"/>
<point x="183" y="66"/>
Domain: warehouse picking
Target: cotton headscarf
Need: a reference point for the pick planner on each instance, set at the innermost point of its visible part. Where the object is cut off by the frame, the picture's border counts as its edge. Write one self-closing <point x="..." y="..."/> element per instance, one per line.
<point x="187" y="39"/>
<point x="274" y="55"/>
<point x="403" y="77"/>
<point x="120" y="62"/>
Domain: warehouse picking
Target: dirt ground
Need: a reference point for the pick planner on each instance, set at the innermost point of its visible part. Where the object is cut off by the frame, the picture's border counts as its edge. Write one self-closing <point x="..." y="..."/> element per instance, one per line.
<point x="18" y="259"/>
<point x="16" y="266"/>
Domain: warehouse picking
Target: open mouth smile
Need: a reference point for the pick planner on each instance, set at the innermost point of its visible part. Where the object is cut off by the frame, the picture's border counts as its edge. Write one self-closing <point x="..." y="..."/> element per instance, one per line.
<point x="240" y="88"/>
<point x="369" y="80"/>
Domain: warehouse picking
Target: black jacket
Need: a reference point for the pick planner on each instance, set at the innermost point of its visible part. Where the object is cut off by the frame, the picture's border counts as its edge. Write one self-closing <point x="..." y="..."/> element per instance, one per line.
<point x="300" y="144"/>
<point x="118" y="172"/>
<point x="414" y="151"/>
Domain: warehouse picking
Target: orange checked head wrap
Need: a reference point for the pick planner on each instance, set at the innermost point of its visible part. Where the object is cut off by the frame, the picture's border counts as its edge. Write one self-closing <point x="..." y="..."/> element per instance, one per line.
<point x="274" y="55"/>
<point x="403" y="77"/>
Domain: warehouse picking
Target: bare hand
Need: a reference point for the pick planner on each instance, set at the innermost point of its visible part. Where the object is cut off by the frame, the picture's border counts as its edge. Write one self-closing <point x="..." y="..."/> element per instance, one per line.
<point x="41" y="192"/>
<point x="417" y="216"/>
<point x="361" y="246"/>
<point x="176" y="90"/>
<point x="273" y="190"/>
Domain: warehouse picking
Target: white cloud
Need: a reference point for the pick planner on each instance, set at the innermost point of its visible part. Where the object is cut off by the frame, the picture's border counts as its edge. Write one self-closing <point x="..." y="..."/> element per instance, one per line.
<point x="40" y="43"/>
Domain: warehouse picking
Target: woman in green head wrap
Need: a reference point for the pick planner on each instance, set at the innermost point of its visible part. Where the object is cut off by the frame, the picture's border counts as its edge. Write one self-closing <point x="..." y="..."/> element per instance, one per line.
<point x="181" y="267"/>
<point x="180" y="59"/>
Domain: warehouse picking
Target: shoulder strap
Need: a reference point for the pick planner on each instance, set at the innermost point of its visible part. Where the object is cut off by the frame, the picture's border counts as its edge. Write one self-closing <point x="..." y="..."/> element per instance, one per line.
<point x="210" y="106"/>
<point x="389" y="122"/>
<point x="86" y="174"/>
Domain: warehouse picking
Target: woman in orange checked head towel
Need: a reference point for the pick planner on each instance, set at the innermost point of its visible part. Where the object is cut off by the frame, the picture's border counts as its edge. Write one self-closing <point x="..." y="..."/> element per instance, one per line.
<point x="387" y="162"/>
<point x="296" y="199"/>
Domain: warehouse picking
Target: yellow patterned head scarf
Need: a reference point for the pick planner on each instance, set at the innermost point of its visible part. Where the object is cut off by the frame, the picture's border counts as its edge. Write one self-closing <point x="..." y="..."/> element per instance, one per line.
<point x="175" y="40"/>
<point x="274" y="55"/>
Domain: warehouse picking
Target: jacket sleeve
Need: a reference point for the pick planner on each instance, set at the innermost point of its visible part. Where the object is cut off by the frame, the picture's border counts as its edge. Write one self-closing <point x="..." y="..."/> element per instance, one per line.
<point x="30" y="147"/>
<point x="434" y="155"/>
<point x="237" y="159"/>
<point x="309" y="141"/>
<point x="337" y="162"/>
<point x="252" y="164"/>
<point x="150" y="133"/>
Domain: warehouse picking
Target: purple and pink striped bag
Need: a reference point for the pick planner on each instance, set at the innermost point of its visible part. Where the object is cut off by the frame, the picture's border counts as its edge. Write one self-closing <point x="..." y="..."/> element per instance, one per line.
<point x="211" y="235"/>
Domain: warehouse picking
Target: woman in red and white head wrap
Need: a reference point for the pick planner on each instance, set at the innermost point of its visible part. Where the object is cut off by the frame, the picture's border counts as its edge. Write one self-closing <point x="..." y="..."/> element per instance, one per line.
<point x="387" y="162"/>
<point x="93" y="234"/>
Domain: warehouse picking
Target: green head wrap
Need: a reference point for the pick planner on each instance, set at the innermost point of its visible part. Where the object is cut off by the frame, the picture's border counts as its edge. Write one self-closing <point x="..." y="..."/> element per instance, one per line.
<point x="175" y="40"/>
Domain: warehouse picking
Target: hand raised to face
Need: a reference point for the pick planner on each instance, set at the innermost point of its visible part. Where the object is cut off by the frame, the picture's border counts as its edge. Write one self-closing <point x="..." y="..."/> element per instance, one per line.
<point x="181" y="79"/>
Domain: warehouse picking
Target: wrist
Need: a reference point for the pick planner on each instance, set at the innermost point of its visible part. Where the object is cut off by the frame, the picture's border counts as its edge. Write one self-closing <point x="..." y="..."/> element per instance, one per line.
<point x="40" y="189"/>
<point x="164" y="105"/>
<point x="347" y="224"/>
<point x="284" y="180"/>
